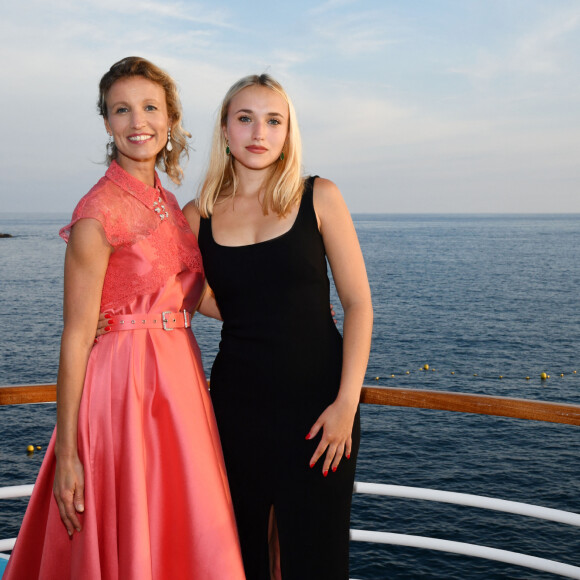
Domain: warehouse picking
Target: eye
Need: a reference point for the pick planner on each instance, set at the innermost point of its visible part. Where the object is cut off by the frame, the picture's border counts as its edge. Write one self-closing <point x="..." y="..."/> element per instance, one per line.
<point x="274" y="122"/>
<point x="150" y="108"/>
<point x="120" y="110"/>
<point x="244" y="119"/>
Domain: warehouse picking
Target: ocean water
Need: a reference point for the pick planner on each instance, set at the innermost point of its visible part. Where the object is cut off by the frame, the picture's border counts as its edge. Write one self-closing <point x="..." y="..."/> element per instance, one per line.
<point x="481" y="297"/>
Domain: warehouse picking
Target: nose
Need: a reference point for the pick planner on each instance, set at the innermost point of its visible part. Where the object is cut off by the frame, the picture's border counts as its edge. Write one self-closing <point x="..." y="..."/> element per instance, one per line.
<point x="137" y="119"/>
<point x="258" y="131"/>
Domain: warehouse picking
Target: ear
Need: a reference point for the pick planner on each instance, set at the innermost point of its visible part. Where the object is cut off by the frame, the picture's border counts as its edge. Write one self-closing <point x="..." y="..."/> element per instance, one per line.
<point x="108" y="127"/>
<point x="225" y="132"/>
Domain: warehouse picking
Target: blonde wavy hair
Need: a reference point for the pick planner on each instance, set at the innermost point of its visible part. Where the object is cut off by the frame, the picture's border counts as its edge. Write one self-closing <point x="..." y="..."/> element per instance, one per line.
<point x="134" y="66"/>
<point x="284" y="186"/>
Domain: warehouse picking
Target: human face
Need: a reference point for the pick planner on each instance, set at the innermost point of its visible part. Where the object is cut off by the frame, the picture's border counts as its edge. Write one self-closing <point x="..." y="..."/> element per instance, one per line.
<point x="138" y="120"/>
<point x="257" y="126"/>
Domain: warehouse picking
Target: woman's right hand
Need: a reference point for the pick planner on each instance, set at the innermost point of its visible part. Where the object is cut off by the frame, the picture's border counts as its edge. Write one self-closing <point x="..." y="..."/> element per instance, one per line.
<point x="69" y="492"/>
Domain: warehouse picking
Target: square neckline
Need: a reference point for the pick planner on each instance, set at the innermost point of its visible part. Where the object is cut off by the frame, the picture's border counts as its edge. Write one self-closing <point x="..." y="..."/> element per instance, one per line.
<point x="269" y="240"/>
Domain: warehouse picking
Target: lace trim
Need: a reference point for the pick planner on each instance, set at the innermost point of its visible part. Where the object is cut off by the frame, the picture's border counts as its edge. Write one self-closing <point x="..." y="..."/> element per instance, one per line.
<point x="124" y="206"/>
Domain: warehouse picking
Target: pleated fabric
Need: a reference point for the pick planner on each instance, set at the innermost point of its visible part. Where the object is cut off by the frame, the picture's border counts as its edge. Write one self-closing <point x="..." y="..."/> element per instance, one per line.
<point x="157" y="503"/>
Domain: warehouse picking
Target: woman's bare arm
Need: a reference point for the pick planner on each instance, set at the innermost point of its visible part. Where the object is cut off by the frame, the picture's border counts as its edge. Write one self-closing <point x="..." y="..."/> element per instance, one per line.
<point x="86" y="260"/>
<point x="349" y="273"/>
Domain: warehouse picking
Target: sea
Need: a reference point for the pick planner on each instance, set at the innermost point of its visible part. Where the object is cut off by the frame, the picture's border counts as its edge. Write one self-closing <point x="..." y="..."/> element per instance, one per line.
<point x="489" y="302"/>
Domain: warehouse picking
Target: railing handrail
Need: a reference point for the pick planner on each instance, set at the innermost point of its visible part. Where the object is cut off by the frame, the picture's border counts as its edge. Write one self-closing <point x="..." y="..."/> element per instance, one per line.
<point x="469" y="500"/>
<point x="515" y="408"/>
<point x="475" y="550"/>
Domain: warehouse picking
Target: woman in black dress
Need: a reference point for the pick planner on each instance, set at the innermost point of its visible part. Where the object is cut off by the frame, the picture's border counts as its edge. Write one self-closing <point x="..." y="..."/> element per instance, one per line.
<point x="285" y="385"/>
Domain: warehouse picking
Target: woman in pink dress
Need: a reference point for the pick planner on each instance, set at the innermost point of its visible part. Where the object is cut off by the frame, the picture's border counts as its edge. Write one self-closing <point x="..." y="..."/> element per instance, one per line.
<point x="140" y="489"/>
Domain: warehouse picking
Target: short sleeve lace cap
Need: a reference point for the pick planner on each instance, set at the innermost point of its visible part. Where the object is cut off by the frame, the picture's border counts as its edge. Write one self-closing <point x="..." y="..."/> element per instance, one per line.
<point x="124" y="218"/>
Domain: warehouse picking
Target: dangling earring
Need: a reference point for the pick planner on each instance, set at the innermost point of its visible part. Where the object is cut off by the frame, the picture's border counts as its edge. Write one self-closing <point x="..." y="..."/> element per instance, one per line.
<point x="110" y="145"/>
<point x="227" y="147"/>
<point x="282" y="156"/>
<point x="169" y="146"/>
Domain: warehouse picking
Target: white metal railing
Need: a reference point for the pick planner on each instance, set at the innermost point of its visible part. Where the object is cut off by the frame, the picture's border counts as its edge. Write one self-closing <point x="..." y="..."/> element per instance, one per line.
<point x="414" y="398"/>
<point x="9" y="493"/>
<point x="464" y="499"/>
<point x="460" y="547"/>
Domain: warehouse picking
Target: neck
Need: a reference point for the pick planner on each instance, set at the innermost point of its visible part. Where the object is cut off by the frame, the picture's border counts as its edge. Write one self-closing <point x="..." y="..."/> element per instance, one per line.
<point x="142" y="170"/>
<point x="251" y="181"/>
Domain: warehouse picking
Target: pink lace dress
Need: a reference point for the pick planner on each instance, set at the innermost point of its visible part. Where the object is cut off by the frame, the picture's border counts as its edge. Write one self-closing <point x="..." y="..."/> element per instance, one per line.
<point x="157" y="504"/>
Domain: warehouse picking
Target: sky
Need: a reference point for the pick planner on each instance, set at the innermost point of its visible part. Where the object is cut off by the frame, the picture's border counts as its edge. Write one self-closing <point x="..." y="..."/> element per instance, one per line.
<point x="433" y="106"/>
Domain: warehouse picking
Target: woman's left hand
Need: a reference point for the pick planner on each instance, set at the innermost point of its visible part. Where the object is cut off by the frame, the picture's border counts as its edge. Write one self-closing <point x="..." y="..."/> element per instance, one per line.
<point x="103" y="325"/>
<point x="336" y="423"/>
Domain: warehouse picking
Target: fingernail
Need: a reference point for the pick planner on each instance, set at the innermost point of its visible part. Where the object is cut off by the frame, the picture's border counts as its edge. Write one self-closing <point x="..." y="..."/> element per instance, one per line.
<point x="80" y="508"/>
<point x="307" y="436"/>
<point x="69" y="533"/>
<point x="107" y="314"/>
<point x="325" y="473"/>
<point x="334" y="469"/>
<point x="348" y="456"/>
<point x="107" y="328"/>
<point x="110" y="321"/>
<point x="96" y="340"/>
<point x="311" y="465"/>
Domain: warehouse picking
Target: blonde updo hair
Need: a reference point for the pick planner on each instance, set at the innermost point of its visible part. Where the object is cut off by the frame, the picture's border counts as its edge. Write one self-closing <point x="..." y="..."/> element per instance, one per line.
<point x="283" y="188"/>
<point x="134" y="66"/>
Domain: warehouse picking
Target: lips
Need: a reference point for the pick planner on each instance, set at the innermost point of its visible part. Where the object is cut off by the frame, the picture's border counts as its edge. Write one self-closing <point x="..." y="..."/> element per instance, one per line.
<point x="256" y="149"/>
<point x="139" y="138"/>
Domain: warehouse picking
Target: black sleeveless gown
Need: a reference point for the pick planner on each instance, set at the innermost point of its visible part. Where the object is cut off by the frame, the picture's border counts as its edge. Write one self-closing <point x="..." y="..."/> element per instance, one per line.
<point x="277" y="369"/>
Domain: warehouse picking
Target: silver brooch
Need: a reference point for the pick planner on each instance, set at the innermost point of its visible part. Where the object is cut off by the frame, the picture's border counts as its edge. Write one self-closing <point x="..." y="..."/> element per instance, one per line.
<point x="159" y="209"/>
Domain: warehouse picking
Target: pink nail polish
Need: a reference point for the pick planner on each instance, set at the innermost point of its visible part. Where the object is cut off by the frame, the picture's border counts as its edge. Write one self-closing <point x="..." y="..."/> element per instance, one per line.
<point x="307" y="436"/>
<point x="96" y="340"/>
<point x="348" y="456"/>
<point x="334" y="469"/>
<point x="325" y="473"/>
<point x="107" y="328"/>
<point x="311" y="465"/>
<point x="110" y="321"/>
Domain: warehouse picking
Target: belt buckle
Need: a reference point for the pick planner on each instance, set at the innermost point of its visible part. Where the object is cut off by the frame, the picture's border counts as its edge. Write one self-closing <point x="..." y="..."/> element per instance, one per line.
<point x="164" y="320"/>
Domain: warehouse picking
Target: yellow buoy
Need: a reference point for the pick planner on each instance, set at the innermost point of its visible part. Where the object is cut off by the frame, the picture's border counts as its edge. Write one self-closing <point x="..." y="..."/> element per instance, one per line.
<point x="408" y="372"/>
<point x="561" y="374"/>
<point x="452" y="372"/>
<point x="425" y="367"/>
<point x="527" y="378"/>
<point x="30" y="448"/>
<point x="39" y="447"/>
<point x="501" y="376"/>
<point x="376" y="378"/>
<point x="543" y="376"/>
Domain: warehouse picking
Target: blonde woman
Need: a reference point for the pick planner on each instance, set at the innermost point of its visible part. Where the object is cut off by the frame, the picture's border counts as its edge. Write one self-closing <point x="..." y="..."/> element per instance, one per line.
<point x="140" y="490"/>
<point x="285" y="385"/>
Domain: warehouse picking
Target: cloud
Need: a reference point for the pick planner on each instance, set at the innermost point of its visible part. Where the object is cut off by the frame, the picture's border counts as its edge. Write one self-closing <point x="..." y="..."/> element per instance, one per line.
<point x="329" y="6"/>
<point x="543" y="50"/>
<point x="390" y="96"/>
<point x="353" y="34"/>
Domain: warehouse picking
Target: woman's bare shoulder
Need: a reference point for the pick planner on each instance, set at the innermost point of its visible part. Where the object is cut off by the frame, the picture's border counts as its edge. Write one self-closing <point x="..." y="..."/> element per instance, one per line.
<point x="191" y="213"/>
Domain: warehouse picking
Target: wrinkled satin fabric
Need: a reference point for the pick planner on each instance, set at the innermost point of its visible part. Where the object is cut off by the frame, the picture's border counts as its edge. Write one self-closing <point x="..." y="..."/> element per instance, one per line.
<point x="157" y="503"/>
